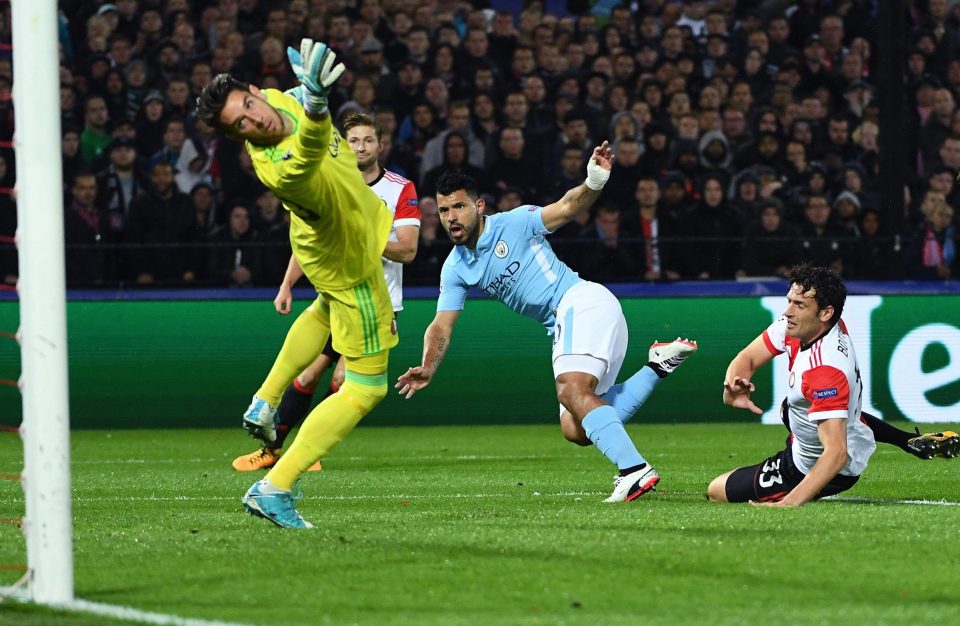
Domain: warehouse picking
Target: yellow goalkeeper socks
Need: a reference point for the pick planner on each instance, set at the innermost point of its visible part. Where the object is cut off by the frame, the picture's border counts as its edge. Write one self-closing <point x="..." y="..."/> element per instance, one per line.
<point x="328" y="424"/>
<point x="304" y="341"/>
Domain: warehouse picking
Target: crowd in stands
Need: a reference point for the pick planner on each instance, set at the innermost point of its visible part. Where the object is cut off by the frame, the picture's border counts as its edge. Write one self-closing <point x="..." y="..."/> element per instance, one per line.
<point x="746" y="134"/>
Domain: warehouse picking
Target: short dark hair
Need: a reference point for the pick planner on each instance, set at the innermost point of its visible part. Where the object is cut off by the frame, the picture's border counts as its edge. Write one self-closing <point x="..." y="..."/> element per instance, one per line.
<point x="352" y="119"/>
<point x="213" y="98"/>
<point x="827" y="284"/>
<point x="454" y="180"/>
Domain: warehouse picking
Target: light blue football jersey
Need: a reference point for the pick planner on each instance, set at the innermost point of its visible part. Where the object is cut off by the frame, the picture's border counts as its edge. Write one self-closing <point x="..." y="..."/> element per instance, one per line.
<point x="512" y="263"/>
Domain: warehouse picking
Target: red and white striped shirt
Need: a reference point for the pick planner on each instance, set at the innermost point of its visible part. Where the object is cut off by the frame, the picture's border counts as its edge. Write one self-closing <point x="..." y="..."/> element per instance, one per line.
<point x="824" y="384"/>
<point x="401" y="198"/>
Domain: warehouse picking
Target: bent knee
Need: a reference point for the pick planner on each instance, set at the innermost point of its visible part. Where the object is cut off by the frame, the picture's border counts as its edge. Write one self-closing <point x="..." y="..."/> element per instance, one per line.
<point x="311" y="375"/>
<point x="573" y="430"/>
<point x="366" y="390"/>
<point x="572" y="394"/>
<point x="580" y="438"/>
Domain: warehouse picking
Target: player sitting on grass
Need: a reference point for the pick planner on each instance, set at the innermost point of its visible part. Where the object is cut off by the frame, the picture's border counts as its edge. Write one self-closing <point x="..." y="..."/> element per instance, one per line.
<point x="507" y="257"/>
<point x="830" y="441"/>
<point x="338" y="230"/>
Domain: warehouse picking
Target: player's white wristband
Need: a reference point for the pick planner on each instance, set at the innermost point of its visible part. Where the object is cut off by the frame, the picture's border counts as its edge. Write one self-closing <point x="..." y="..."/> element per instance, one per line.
<point x="597" y="177"/>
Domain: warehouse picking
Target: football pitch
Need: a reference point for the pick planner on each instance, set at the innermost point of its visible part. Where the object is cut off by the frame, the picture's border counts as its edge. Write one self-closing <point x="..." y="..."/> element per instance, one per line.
<point x="494" y="525"/>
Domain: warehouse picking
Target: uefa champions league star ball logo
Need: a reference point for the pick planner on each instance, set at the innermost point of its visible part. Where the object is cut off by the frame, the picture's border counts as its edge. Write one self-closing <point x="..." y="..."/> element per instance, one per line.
<point x="501" y="250"/>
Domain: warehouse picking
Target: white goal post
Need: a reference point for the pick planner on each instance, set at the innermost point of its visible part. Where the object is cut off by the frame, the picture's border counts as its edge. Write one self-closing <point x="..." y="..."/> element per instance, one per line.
<point x="43" y="332"/>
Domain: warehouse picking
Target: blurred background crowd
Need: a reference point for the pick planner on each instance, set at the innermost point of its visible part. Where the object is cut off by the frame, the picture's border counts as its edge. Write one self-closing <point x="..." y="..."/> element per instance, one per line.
<point x="746" y="134"/>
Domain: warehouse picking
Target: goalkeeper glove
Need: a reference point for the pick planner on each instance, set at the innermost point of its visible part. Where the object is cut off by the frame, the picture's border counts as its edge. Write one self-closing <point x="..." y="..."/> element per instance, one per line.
<point x="316" y="68"/>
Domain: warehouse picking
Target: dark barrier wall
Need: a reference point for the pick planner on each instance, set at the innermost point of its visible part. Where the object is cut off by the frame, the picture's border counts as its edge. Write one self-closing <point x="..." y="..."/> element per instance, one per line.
<point x="196" y="363"/>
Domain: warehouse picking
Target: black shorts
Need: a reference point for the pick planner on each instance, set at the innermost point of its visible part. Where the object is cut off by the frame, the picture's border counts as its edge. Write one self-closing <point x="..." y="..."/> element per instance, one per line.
<point x="774" y="478"/>
<point x="330" y="352"/>
<point x="333" y="354"/>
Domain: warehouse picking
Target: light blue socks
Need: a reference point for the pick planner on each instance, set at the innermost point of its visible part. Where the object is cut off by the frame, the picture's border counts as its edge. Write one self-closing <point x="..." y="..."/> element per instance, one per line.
<point x="606" y="431"/>
<point x="627" y="397"/>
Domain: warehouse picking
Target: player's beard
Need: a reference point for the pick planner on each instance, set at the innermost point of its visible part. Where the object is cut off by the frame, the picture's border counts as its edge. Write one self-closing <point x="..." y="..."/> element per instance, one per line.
<point x="467" y="236"/>
<point x="367" y="164"/>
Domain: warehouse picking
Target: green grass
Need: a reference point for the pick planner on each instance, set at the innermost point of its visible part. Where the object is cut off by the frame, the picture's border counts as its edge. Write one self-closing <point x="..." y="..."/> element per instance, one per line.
<point x="494" y="525"/>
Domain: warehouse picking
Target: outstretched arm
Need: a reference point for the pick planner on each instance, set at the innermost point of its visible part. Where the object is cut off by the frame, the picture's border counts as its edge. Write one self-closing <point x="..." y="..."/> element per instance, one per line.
<point x="598" y="173"/>
<point x="436" y="342"/>
<point x="833" y="436"/>
<point x="736" y="383"/>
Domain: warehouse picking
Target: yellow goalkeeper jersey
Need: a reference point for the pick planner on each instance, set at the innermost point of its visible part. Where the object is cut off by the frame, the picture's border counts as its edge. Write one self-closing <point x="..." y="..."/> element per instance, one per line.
<point x="338" y="225"/>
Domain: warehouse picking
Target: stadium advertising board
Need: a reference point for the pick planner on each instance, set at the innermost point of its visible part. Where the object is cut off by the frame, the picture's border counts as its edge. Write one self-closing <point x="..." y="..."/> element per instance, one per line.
<point x="196" y="363"/>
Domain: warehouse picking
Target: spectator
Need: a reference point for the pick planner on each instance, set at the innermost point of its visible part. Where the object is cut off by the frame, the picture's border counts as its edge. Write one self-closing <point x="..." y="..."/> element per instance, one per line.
<point x="846" y="206"/>
<point x="150" y="124"/>
<point x="572" y="164"/>
<point x="419" y="127"/>
<point x="159" y="221"/>
<point x="822" y="239"/>
<point x="747" y="84"/>
<point x="473" y="57"/>
<point x="418" y="45"/>
<point x="398" y="157"/>
<point x="937" y="128"/>
<point x="174" y="138"/>
<point x="433" y="246"/>
<point x="362" y="97"/>
<point x="484" y="124"/>
<point x="85" y="233"/>
<point x="272" y="225"/>
<point x="96" y="133"/>
<point x="234" y="258"/>
<point x="714" y="151"/>
<point x="454" y="158"/>
<point x="933" y="251"/>
<point x="619" y="191"/>
<point x="715" y="225"/>
<point x="120" y="184"/>
<point x="735" y="128"/>
<point x="603" y="255"/>
<point x="575" y="134"/>
<point x="877" y="253"/>
<point x="510" y="199"/>
<point x="644" y="225"/>
<point x="746" y="196"/>
<point x="204" y="203"/>
<point x="677" y="195"/>
<point x="408" y="90"/>
<point x="770" y="245"/>
<point x="950" y="152"/>
<point x="656" y="156"/>
<point x="70" y="157"/>
<point x="512" y="167"/>
<point x="458" y="120"/>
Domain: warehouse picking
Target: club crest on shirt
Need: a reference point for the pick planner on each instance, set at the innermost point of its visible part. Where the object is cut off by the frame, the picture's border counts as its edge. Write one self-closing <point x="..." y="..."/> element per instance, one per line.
<point x="501" y="250"/>
<point x="793" y="377"/>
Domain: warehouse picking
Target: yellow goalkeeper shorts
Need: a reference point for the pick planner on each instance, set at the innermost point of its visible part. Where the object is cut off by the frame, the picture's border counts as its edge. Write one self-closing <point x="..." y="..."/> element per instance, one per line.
<point x="360" y="318"/>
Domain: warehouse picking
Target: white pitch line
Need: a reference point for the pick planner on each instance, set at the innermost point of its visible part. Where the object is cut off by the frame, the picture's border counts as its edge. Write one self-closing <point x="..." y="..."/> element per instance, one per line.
<point x="859" y="500"/>
<point x="460" y="457"/>
<point x="121" y="612"/>
<point x="443" y="496"/>
<point x="459" y="496"/>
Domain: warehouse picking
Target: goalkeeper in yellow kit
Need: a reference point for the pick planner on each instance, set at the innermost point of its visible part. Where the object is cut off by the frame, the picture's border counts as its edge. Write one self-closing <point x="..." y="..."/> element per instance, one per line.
<point x="338" y="230"/>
